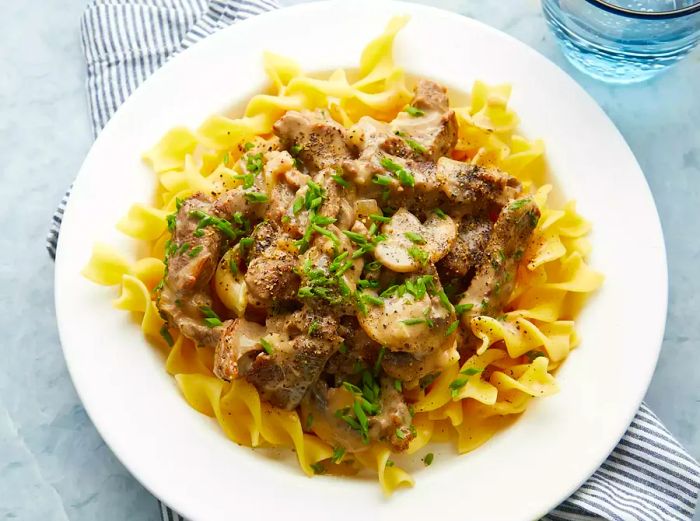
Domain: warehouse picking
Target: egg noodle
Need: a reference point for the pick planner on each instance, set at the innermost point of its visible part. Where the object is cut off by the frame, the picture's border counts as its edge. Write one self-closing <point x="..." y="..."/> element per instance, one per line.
<point x="519" y="350"/>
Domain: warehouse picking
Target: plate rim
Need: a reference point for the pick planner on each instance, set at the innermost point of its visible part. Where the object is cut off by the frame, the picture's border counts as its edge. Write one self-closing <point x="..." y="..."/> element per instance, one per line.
<point x="181" y="506"/>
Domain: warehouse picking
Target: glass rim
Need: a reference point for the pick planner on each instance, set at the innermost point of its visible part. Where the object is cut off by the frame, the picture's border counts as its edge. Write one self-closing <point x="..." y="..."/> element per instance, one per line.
<point x="632" y="13"/>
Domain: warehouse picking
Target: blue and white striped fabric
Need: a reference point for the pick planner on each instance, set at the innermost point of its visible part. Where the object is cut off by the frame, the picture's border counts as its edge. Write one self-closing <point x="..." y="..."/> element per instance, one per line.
<point x="649" y="476"/>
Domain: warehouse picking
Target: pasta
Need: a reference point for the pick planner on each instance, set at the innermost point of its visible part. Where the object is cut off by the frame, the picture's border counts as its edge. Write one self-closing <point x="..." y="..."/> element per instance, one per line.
<point x="471" y="397"/>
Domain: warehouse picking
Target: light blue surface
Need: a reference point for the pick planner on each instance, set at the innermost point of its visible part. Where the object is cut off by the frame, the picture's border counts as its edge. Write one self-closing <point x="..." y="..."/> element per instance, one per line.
<point x="53" y="465"/>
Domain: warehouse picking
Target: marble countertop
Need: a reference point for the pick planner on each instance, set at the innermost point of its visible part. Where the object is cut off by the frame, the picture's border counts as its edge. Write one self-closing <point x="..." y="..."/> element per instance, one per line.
<point x="53" y="464"/>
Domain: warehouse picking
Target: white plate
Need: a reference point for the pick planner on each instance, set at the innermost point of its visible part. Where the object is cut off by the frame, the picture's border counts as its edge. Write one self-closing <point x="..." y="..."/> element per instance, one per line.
<point x="185" y="459"/>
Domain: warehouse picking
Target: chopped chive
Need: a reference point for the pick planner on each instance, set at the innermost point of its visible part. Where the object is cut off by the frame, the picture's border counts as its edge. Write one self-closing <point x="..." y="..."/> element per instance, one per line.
<point x="444" y="300"/>
<point x="418" y="254"/>
<point x="318" y="468"/>
<point x="441" y="214"/>
<point x="298" y="204"/>
<point x="165" y="333"/>
<point x="379" y="218"/>
<point x="400" y="434"/>
<point x="352" y="388"/>
<point x="414" y="111"/>
<point x="382" y="180"/>
<point x="309" y="421"/>
<point x="267" y="346"/>
<point x="246" y="242"/>
<point x="256" y="197"/>
<point x="343" y="348"/>
<point x="471" y="371"/>
<point x="515" y="205"/>
<point x="398" y="386"/>
<point x="453" y="327"/>
<point x="415" y="145"/>
<point x="295" y="149"/>
<point x="461" y="308"/>
<point x="390" y="463"/>
<point x="380" y="358"/>
<point x="415" y="238"/>
<point x="248" y="146"/>
<point x="338" y="453"/>
<point x="339" y="179"/>
<point x="313" y="327"/>
<point x="212" y="322"/>
<point x="428" y="460"/>
<point x="355" y="237"/>
<point x="414" y="321"/>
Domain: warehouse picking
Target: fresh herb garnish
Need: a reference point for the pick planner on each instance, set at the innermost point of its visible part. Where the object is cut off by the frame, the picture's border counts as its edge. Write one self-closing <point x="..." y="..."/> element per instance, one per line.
<point x="414" y="111"/>
<point x="256" y="197"/>
<point x="453" y="327"/>
<point x="418" y="254"/>
<point x="415" y="238"/>
<point x="195" y="251"/>
<point x="441" y="214"/>
<point x="462" y="308"/>
<point x="403" y="175"/>
<point x="428" y="459"/>
<point x="338" y="453"/>
<point x="267" y="346"/>
<point x="165" y="333"/>
<point x="339" y="179"/>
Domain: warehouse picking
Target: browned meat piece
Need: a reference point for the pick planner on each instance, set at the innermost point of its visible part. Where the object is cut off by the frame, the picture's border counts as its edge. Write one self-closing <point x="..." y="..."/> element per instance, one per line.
<point x="238" y="200"/>
<point x="191" y="264"/>
<point x="467" y="251"/>
<point x="320" y="141"/>
<point x="300" y="344"/>
<point x="358" y="350"/>
<point x="433" y="133"/>
<point x="494" y="281"/>
<point x="393" y="423"/>
<point x="270" y="277"/>
<point x="237" y="348"/>
<point x="471" y="188"/>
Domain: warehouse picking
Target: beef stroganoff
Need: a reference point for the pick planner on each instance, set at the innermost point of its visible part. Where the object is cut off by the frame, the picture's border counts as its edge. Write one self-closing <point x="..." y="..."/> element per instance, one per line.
<point x="353" y="268"/>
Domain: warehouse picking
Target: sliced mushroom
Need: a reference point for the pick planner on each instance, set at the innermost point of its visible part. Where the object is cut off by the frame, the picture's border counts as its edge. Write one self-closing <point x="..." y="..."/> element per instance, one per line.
<point x="237" y="349"/>
<point x="410" y="243"/>
<point x="411" y="325"/>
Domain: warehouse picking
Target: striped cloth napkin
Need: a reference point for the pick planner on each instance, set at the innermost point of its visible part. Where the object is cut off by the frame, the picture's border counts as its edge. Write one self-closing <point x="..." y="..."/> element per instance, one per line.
<point x="649" y="475"/>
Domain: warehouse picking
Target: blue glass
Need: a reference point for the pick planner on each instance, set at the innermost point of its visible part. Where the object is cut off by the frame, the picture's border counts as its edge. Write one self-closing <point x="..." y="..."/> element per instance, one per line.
<point x="624" y="41"/>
